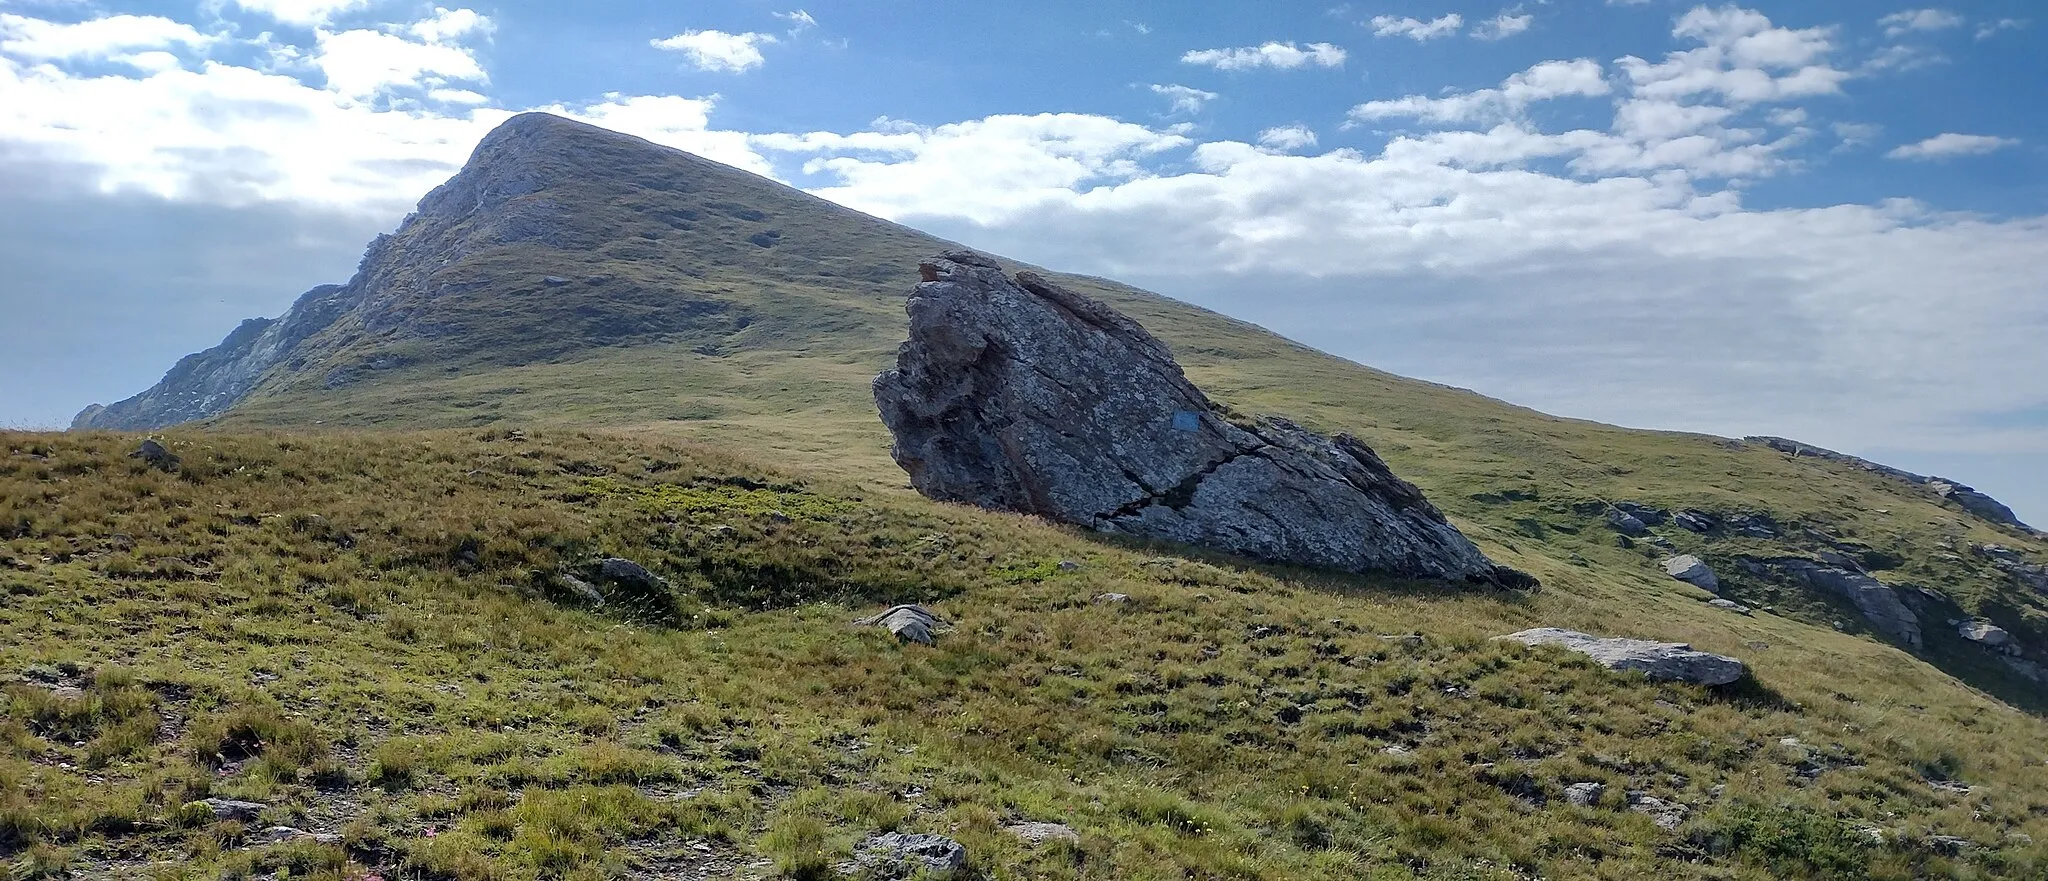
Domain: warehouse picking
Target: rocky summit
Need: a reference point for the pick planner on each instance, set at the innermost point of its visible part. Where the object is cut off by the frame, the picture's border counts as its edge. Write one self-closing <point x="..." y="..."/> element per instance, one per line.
<point x="1019" y="395"/>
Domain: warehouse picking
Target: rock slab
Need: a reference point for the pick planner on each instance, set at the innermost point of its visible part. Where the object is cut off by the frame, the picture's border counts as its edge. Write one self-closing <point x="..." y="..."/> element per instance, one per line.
<point x="1694" y="571"/>
<point x="1664" y="661"/>
<point x="900" y="855"/>
<point x="1019" y="395"/>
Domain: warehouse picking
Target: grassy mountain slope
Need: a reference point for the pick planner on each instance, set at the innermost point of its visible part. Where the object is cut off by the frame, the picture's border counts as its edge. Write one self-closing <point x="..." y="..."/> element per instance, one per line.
<point x="358" y="627"/>
<point x="350" y="628"/>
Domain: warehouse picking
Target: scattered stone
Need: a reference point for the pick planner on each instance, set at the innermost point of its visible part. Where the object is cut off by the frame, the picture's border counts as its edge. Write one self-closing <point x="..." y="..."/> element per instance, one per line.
<point x="580" y="590"/>
<point x="1753" y="525"/>
<point x="554" y="281"/>
<point x="1952" y="787"/>
<point x="1069" y="566"/>
<point x="284" y="834"/>
<point x="1644" y="514"/>
<point x="1729" y="605"/>
<point x="1036" y="834"/>
<point x="1668" y="815"/>
<point x="1113" y="599"/>
<point x="1663" y="661"/>
<point x="910" y="623"/>
<point x="1692" y="570"/>
<point x="1626" y="523"/>
<point x="230" y="809"/>
<point x="1585" y="794"/>
<point x="899" y="855"/>
<point x="1118" y="440"/>
<point x="155" y="455"/>
<point x="1949" y="844"/>
<point x="1397" y="751"/>
<point x="1988" y="635"/>
<point x="1696" y="521"/>
<point x="723" y="531"/>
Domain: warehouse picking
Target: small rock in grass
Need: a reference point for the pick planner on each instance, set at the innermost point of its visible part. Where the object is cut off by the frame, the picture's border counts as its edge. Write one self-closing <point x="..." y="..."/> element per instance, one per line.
<point x="1113" y="599"/>
<point x="230" y="809"/>
<point x="155" y="455"/>
<point x="910" y="622"/>
<point x="1039" y="833"/>
<point x="1585" y="794"/>
<point x="900" y="855"/>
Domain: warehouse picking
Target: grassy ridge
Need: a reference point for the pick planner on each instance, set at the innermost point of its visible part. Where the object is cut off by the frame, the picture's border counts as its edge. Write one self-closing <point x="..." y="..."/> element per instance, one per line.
<point x="359" y="631"/>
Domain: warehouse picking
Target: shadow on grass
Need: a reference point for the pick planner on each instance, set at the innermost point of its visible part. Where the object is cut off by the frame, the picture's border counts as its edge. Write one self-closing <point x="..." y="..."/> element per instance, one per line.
<point x="1749" y="693"/>
<point x="1320" y="580"/>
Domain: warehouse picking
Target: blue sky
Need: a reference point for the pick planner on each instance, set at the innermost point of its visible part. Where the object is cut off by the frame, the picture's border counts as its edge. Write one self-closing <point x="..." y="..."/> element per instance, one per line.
<point x="1824" y="220"/>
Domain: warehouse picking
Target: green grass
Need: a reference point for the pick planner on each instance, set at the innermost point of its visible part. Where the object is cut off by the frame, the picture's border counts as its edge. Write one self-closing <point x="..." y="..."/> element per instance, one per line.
<point x="345" y="627"/>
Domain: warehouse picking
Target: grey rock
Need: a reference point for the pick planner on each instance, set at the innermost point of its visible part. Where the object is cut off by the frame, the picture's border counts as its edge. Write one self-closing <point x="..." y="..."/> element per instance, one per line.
<point x="230" y="809"/>
<point x="155" y="455"/>
<point x="1729" y="605"/>
<point x="1694" y="571"/>
<point x="1113" y="599"/>
<point x="1753" y="525"/>
<point x="910" y="623"/>
<point x="1069" y="566"/>
<point x="1950" y="844"/>
<point x="1626" y="523"/>
<point x="1585" y="794"/>
<point x="1036" y="834"/>
<point x="1664" y="661"/>
<point x="1019" y="395"/>
<point x="68" y="693"/>
<point x="1879" y="604"/>
<point x="1987" y="634"/>
<point x="1696" y="521"/>
<point x="2032" y="671"/>
<point x="621" y="572"/>
<point x="1668" y="815"/>
<point x="1644" y="514"/>
<point x="900" y="855"/>
<point x="554" y="281"/>
<point x="580" y="590"/>
<point x="284" y="834"/>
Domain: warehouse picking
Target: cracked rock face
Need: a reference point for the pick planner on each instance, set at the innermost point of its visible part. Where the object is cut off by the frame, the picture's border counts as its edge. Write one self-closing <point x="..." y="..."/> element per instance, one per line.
<point x="1018" y="395"/>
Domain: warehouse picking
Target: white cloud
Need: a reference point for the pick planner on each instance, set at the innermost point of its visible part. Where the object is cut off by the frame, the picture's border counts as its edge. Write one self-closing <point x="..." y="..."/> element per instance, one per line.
<point x="1787" y="116"/>
<point x="118" y="37"/>
<point x="1502" y="26"/>
<point x="1856" y="133"/>
<point x="1285" y="56"/>
<point x="1990" y="29"/>
<point x="798" y="20"/>
<point x="1416" y="29"/>
<point x="718" y="50"/>
<point x="1185" y="99"/>
<point x="446" y="25"/>
<point x="304" y="13"/>
<point x="361" y="64"/>
<point x="1287" y="138"/>
<point x="1910" y="20"/>
<point x="1950" y="144"/>
<point x="1903" y="58"/>
<point x="1139" y="26"/>
<point x="1744" y="59"/>
<point x="1550" y="79"/>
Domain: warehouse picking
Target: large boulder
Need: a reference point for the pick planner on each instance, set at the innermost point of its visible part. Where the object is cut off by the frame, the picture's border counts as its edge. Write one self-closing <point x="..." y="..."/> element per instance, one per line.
<point x="1879" y="604"/>
<point x="1664" y="661"/>
<point x="1694" y="571"/>
<point x="1019" y="395"/>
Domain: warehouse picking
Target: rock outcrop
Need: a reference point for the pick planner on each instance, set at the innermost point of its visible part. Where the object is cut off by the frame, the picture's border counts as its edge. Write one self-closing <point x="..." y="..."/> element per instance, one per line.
<point x="1694" y="571"/>
<point x="1019" y="395"/>
<point x="1880" y="605"/>
<point x="1965" y="496"/>
<point x="1663" y="661"/>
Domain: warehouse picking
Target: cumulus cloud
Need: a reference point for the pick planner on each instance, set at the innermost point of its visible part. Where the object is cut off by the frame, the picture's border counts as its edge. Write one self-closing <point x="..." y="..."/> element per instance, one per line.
<point x="362" y="64"/>
<point x="1502" y="26"/>
<point x="1283" y="56"/>
<point x="303" y="13"/>
<point x="1744" y="58"/>
<point x="1287" y="137"/>
<point x="118" y="37"/>
<point x="1949" y="144"/>
<point x="1910" y="20"/>
<point x="447" y="25"/>
<point x="1544" y="81"/>
<point x="1415" y="28"/>
<point x="718" y="50"/>
<point x="1185" y="99"/>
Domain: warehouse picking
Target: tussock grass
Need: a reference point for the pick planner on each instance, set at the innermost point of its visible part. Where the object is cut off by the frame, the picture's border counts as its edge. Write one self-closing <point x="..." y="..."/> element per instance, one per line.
<point x="346" y="627"/>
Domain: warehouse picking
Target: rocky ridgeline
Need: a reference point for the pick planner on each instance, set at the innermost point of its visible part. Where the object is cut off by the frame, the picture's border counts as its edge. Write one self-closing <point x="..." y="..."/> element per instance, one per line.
<point x="1018" y="395"/>
<point x="1965" y="496"/>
